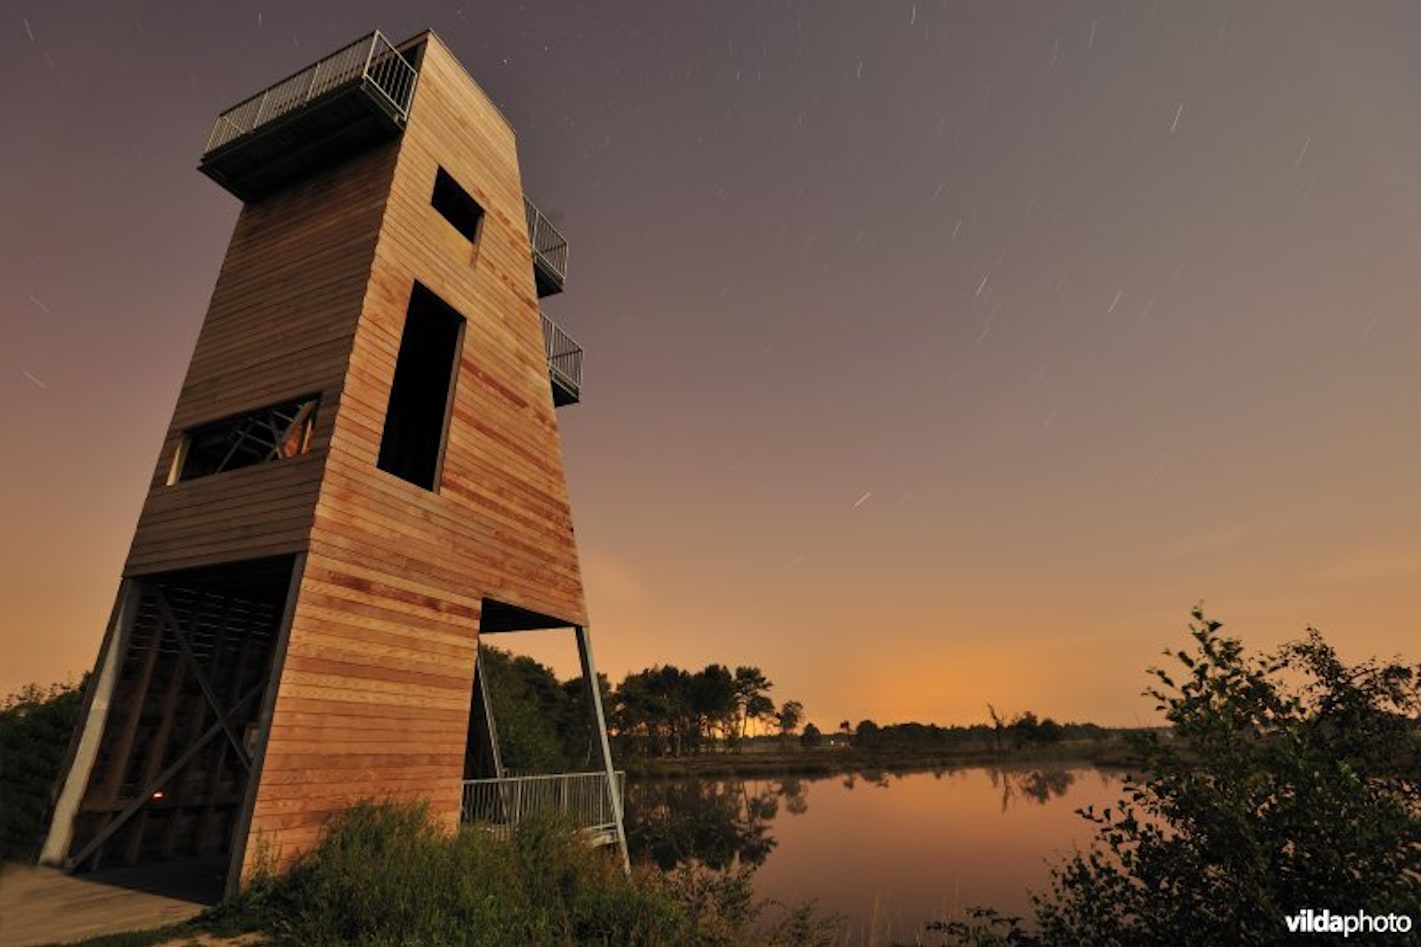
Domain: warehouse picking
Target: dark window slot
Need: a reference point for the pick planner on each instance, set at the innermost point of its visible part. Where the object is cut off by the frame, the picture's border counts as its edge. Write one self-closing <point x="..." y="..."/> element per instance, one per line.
<point x="415" y="422"/>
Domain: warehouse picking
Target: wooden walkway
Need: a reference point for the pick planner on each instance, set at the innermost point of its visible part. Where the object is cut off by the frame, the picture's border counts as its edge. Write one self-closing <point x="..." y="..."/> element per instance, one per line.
<point x="46" y="906"/>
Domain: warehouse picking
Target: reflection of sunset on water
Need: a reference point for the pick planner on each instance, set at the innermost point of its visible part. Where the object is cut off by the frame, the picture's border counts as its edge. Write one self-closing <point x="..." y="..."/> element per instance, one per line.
<point x="911" y="848"/>
<point x="929" y="843"/>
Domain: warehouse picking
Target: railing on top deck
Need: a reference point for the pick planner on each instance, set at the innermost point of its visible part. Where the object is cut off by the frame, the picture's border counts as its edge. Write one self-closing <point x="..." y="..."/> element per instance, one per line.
<point x="549" y="246"/>
<point x="564" y="360"/>
<point x="370" y="59"/>
<point x="582" y="798"/>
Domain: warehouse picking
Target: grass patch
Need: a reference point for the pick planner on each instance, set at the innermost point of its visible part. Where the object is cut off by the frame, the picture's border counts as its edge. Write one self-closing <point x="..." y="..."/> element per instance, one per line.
<point x="388" y="874"/>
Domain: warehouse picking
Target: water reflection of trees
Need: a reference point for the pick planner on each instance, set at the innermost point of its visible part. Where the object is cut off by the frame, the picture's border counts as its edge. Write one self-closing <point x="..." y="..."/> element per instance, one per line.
<point x="868" y="777"/>
<point x="726" y="823"/>
<point x="1031" y="785"/>
<point x="716" y="823"/>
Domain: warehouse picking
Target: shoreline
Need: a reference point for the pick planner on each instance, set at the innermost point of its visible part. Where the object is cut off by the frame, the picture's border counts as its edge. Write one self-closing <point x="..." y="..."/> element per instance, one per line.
<point x="1111" y="753"/>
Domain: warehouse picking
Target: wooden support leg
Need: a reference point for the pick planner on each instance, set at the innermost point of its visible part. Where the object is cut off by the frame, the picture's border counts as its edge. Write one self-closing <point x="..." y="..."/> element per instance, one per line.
<point x="85" y="747"/>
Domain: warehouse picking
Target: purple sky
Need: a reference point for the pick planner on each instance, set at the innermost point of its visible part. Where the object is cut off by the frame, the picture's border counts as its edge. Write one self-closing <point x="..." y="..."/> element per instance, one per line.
<point x="937" y="353"/>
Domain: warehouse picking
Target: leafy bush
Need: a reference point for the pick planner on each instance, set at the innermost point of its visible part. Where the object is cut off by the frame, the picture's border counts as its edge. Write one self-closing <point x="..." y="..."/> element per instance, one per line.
<point x="389" y="874"/>
<point x="35" y="727"/>
<point x="1288" y="782"/>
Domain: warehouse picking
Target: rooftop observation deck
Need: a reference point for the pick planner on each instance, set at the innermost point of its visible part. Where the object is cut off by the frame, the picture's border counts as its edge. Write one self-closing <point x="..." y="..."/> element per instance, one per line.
<point x="357" y="96"/>
<point x="353" y="99"/>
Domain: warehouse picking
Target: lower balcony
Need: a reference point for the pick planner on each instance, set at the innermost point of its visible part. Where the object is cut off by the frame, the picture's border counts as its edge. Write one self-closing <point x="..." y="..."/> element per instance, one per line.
<point x="584" y="800"/>
<point x="564" y="364"/>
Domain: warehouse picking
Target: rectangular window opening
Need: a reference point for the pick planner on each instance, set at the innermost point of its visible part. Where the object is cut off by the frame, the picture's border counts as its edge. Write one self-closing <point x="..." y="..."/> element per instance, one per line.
<point x="268" y="434"/>
<point x="457" y="207"/>
<point x="416" y="421"/>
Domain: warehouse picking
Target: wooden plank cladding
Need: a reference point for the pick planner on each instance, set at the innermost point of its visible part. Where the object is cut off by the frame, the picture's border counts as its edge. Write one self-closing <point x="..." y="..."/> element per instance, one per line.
<point x="279" y="326"/>
<point x="379" y="667"/>
<point x="363" y="679"/>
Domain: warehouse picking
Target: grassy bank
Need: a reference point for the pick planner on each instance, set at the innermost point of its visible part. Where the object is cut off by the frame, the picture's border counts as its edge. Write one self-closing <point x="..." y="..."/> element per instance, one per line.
<point x="390" y="875"/>
<point x="831" y="760"/>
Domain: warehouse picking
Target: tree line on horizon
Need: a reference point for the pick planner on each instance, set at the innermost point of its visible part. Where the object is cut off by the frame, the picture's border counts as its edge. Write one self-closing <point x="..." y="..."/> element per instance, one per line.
<point x="1022" y="731"/>
<point x="667" y="711"/>
<point x="543" y="723"/>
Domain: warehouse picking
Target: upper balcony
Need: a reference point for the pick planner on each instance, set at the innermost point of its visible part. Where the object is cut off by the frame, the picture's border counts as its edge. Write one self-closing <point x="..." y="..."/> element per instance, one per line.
<point x="549" y="251"/>
<point x="351" y="99"/>
<point x="564" y="364"/>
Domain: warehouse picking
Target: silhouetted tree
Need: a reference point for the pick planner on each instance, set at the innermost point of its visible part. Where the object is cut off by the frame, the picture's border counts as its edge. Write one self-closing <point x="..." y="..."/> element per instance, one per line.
<point x="532" y="713"/>
<point x="788" y="718"/>
<point x="713" y="700"/>
<point x="999" y="727"/>
<point x="752" y="696"/>
<point x="811" y="737"/>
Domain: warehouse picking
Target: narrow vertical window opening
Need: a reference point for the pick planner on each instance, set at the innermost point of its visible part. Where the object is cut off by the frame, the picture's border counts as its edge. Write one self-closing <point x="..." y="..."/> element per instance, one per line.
<point x="416" y="421"/>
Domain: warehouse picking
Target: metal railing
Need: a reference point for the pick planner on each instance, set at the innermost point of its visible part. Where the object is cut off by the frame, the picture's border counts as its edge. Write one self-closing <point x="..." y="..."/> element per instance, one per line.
<point x="582" y="798"/>
<point x="564" y="356"/>
<point x="549" y="246"/>
<point x="370" y="58"/>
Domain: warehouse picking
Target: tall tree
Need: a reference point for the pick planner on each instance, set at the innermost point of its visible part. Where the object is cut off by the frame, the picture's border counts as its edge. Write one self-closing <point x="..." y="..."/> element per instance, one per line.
<point x="532" y="713"/>
<point x="759" y="708"/>
<point x="867" y="734"/>
<point x="657" y="709"/>
<point x="751" y="696"/>
<point x="713" y="699"/>
<point x="580" y="734"/>
<point x="635" y="714"/>
<point x="790" y="714"/>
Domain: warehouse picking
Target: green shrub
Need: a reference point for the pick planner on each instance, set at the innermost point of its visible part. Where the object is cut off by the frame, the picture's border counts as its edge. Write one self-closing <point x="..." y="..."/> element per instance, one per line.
<point x="388" y="874"/>
<point x="35" y="728"/>
<point x="1288" y="782"/>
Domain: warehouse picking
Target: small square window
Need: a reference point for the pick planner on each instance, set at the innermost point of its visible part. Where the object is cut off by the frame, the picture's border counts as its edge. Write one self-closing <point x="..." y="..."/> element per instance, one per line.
<point x="456" y="206"/>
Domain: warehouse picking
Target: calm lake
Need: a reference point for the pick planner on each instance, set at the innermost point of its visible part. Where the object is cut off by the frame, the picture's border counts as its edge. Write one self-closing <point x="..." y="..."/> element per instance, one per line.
<point x="888" y="852"/>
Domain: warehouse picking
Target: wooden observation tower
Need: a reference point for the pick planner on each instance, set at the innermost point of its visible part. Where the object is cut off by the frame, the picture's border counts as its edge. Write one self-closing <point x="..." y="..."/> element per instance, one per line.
<point x="362" y="476"/>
